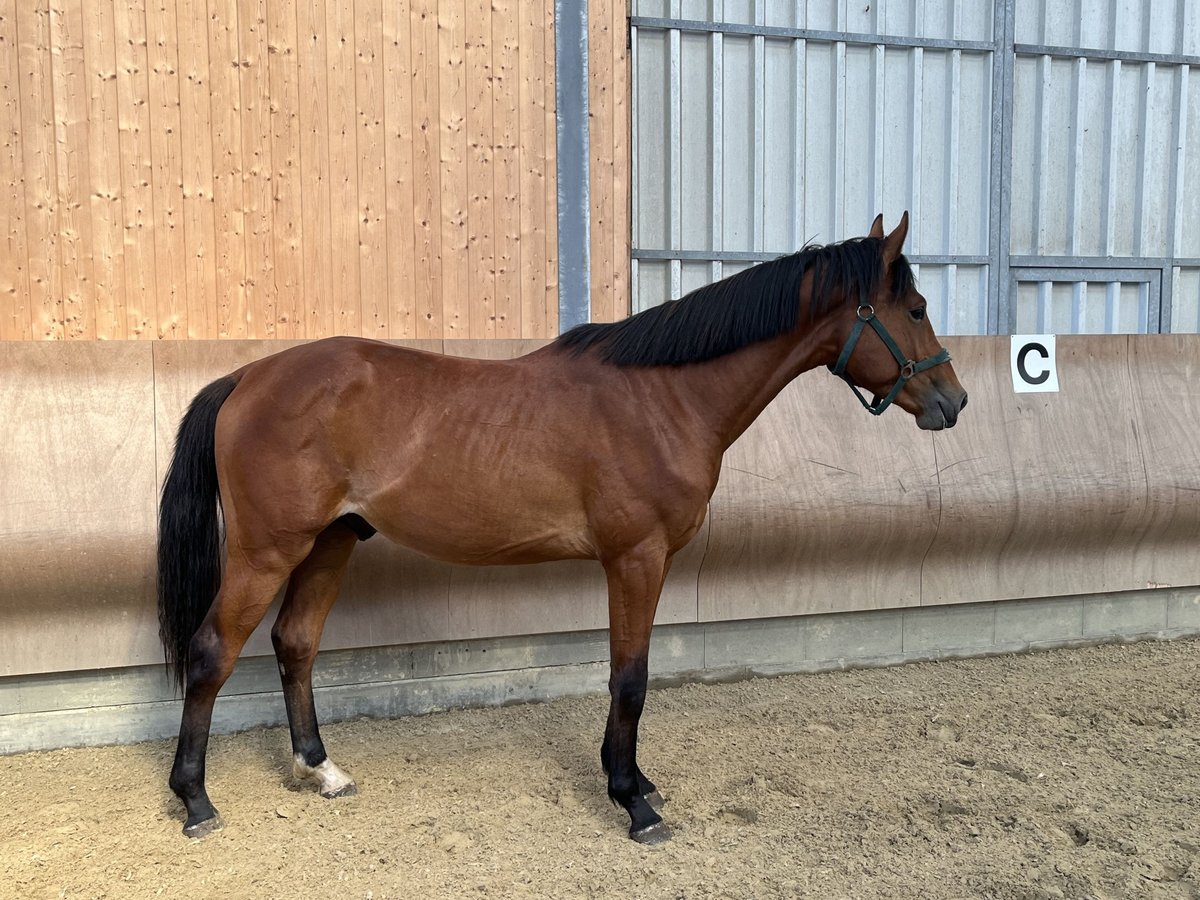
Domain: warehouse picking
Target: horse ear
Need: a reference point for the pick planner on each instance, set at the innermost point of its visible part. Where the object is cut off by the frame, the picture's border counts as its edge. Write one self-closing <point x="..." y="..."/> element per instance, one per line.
<point x="876" y="227"/>
<point x="893" y="244"/>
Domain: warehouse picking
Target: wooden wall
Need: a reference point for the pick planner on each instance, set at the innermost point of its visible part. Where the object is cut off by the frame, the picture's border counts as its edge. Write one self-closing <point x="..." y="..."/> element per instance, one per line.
<point x="821" y="508"/>
<point x="273" y="169"/>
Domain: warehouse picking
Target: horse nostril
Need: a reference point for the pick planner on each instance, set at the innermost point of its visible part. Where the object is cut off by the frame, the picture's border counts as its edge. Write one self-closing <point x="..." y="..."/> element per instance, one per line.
<point x="963" y="405"/>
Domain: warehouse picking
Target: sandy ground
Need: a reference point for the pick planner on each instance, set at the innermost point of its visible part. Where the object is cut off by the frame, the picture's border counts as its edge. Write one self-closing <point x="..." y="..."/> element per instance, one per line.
<point x="1067" y="774"/>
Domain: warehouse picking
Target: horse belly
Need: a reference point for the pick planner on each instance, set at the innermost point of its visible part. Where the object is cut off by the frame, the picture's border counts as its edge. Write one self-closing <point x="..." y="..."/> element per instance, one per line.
<point x="479" y="527"/>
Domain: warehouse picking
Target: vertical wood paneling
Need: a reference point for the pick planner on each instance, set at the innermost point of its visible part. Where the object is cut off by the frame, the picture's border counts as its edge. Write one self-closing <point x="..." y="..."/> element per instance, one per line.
<point x="137" y="196"/>
<point x="403" y="299"/>
<point x="255" y="87"/>
<point x="550" y="167"/>
<point x="229" y="219"/>
<point x="37" y="145"/>
<point x="602" y="151"/>
<point x="286" y="176"/>
<point x="372" y="182"/>
<point x="480" y="127"/>
<point x="427" y="191"/>
<point x="170" y="287"/>
<point x="71" y="168"/>
<point x="195" y="129"/>
<point x="452" y="97"/>
<point x="343" y="164"/>
<point x="261" y="168"/>
<point x="312" y="67"/>
<point x="535" y="246"/>
<point x="15" y="322"/>
<point x="506" y="171"/>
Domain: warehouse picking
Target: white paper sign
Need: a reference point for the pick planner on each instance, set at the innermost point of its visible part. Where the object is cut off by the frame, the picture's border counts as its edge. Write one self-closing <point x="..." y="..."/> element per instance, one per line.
<point x="1033" y="366"/>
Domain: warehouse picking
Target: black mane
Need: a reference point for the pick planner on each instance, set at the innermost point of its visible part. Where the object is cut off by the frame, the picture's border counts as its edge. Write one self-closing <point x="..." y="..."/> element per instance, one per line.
<point x="755" y="305"/>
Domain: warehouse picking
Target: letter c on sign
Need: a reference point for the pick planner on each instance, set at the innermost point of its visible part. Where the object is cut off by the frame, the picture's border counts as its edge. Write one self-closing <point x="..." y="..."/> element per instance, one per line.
<point x="1021" y="367"/>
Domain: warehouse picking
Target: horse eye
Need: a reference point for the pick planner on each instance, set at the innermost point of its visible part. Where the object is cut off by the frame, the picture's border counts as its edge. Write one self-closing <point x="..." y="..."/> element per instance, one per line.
<point x="918" y="314"/>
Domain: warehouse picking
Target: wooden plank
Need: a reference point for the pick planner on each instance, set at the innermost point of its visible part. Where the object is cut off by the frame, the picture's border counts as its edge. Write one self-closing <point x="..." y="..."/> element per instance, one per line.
<point x="196" y="163"/>
<point x="452" y="106"/>
<point x="229" y="217"/>
<point x="550" y="178"/>
<point x="343" y="167"/>
<point x="506" y="169"/>
<point x="286" y="173"/>
<point x="104" y="162"/>
<point x="316" y="241"/>
<point x="38" y="163"/>
<point x="621" y="226"/>
<point x="427" y="172"/>
<point x="372" y="176"/>
<point x="72" y="168"/>
<point x="133" y="91"/>
<point x="15" y="321"/>
<point x="532" y="157"/>
<point x="481" y="252"/>
<point x="399" y="139"/>
<point x="254" y="85"/>
<point x="601" y="149"/>
<point x="166" y="151"/>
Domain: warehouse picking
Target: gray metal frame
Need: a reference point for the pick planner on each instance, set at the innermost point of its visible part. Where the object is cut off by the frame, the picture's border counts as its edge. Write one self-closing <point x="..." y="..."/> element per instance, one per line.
<point x="1118" y="273"/>
<point x="1004" y="268"/>
<point x="573" y="163"/>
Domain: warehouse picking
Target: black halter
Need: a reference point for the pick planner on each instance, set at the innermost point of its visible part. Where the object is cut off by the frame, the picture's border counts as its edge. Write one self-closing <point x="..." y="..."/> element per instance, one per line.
<point x="908" y="368"/>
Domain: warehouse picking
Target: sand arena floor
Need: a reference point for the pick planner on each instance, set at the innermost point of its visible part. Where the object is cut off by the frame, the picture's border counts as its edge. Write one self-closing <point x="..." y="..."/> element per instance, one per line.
<point x="1074" y="773"/>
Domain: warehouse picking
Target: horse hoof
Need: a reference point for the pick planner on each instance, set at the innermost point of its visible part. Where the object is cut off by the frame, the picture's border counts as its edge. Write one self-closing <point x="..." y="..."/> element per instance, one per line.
<point x="346" y="790"/>
<point x="658" y="833"/>
<point x="203" y="829"/>
<point x="656" y="801"/>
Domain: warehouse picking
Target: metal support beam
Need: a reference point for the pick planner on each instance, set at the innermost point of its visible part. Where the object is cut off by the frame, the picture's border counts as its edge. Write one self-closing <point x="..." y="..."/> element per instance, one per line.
<point x="574" y="170"/>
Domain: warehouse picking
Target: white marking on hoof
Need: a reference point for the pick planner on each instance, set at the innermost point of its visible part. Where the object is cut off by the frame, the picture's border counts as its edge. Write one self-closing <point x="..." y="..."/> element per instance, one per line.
<point x="331" y="780"/>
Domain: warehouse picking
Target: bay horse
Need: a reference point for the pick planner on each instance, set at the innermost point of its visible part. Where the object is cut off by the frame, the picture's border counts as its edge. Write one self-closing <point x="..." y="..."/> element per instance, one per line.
<point x="605" y="444"/>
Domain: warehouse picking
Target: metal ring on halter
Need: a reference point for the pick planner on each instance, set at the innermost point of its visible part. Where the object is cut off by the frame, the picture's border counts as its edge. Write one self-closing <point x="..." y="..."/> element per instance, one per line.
<point x="908" y="370"/>
<point x="870" y="312"/>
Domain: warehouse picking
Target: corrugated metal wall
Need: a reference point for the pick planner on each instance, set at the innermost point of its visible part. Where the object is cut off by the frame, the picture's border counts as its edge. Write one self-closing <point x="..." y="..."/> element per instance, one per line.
<point x="760" y="124"/>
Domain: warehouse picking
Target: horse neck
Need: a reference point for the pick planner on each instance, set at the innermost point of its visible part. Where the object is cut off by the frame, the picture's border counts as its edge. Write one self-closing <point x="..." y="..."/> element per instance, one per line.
<point x="726" y="394"/>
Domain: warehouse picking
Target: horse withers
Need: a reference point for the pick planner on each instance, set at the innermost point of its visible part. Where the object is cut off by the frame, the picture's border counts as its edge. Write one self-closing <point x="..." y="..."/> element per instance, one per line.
<point x="605" y="444"/>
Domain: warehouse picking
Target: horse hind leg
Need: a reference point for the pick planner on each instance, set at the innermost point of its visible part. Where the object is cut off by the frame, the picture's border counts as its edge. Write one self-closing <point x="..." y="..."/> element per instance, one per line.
<point x="311" y="592"/>
<point x="240" y="605"/>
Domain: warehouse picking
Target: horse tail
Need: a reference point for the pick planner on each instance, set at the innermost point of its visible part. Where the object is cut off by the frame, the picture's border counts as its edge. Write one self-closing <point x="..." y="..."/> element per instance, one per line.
<point x="189" y="528"/>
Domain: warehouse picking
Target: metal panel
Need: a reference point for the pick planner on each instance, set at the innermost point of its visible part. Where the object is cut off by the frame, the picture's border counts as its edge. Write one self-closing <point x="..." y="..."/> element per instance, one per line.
<point x="1059" y="131"/>
<point x="799" y="123"/>
<point x="1081" y="301"/>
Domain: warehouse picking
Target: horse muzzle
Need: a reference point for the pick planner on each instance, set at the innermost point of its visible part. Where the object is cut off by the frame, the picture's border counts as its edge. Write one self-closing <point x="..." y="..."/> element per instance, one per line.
<point x="942" y="411"/>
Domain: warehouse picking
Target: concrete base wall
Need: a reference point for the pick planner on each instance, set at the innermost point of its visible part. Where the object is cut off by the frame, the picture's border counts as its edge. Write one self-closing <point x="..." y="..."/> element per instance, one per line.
<point x="136" y="703"/>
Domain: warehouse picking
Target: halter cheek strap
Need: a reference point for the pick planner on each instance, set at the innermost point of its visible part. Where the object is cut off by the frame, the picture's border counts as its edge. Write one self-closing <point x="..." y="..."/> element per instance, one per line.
<point x="908" y="368"/>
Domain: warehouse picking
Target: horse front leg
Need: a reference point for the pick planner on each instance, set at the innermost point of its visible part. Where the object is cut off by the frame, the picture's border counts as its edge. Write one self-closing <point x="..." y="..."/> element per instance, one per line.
<point x="311" y="593"/>
<point x="635" y="581"/>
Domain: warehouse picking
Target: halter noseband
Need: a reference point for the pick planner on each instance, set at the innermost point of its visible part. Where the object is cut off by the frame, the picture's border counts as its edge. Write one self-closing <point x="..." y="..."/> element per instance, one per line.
<point x="908" y="368"/>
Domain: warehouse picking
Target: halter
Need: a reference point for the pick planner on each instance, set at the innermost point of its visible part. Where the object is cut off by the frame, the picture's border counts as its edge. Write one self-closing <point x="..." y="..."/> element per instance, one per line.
<point x="908" y="368"/>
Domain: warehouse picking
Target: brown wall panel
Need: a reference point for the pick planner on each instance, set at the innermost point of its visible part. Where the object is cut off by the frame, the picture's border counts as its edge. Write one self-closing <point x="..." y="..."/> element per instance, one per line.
<point x="1045" y="494"/>
<point x="820" y="507"/>
<point x="77" y="510"/>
